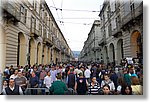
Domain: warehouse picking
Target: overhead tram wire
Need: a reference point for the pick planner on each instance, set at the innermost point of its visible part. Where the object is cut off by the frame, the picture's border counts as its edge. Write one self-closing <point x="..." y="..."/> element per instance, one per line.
<point x="74" y="23"/>
<point x="73" y="9"/>
<point x="55" y="9"/>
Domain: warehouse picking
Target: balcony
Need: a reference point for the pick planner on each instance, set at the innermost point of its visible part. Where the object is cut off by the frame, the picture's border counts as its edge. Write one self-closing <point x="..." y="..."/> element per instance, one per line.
<point x="62" y="49"/>
<point x="57" y="46"/>
<point x="10" y="12"/>
<point x="96" y="49"/>
<point x="48" y="42"/>
<point x="102" y="42"/>
<point x="117" y="32"/>
<point x="34" y="33"/>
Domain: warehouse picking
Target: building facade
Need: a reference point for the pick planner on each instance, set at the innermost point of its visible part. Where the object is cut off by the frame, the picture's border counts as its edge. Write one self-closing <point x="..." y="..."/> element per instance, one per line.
<point x="29" y="34"/>
<point x="121" y="28"/>
<point x="91" y="50"/>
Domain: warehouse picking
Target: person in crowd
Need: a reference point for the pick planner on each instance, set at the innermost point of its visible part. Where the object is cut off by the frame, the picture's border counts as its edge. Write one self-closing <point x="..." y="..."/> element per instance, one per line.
<point x="24" y="73"/>
<point x="82" y="68"/>
<point x="78" y="72"/>
<point x="42" y="75"/>
<point x="11" y="70"/>
<point x="87" y="74"/>
<point x="7" y="72"/>
<point x="48" y="81"/>
<point x="109" y="82"/>
<point x="15" y="75"/>
<point x="120" y="72"/>
<point x="36" y="71"/>
<point x="5" y="84"/>
<point x="20" y="68"/>
<point x="81" y="85"/>
<point x="30" y="70"/>
<point x="93" y="87"/>
<point x="127" y="77"/>
<point x="66" y="71"/>
<point x="5" y="76"/>
<point x="53" y="73"/>
<point x="126" y="90"/>
<point x="98" y="74"/>
<point x="120" y="84"/>
<point x="41" y="79"/>
<point x="137" y="89"/>
<point x="106" y="90"/>
<point x="132" y="71"/>
<point x="58" y="87"/>
<point x="21" y="81"/>
<point x="70" y="68"/>
<point x="12" y="89"/>
<point x="34" y="81"/>
<point x="93" y="71"/>
<point x="114" y="78"/>
<point x="71" y="79"/>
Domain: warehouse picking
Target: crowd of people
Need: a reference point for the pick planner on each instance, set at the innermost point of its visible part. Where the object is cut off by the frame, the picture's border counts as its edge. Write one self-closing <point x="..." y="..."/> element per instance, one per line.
<point x="73" y="79"/>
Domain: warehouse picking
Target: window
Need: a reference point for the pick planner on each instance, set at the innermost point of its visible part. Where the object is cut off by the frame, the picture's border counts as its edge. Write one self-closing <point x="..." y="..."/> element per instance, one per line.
<point x="45" y="18"/>
<point x="132" y="6"/>
<point x="44" y="32"/>
<point x="109" y="30"/>
<point x="108" y="12"/>
<point x="22" y="10"/>
<point x="25" y="16"/>
<point x="33" y="23"/>
<point x="118" y="21"/>
<point x="40" y="29"/>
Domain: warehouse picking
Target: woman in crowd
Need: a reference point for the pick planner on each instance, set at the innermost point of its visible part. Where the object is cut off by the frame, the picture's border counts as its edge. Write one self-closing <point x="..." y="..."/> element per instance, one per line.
<point x="106" y="90"/>
<point x="5" y="84"/>
<point x="93" y="87"/>
<point x="126" y="90"/>
<point x="137" y="89"/>
<point x="120" y="84"/>
<point x="109" y="82"/>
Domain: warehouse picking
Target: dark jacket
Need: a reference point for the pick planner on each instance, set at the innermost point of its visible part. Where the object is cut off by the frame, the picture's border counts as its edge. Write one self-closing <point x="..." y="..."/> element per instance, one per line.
<point x="81" y="86"/>
<point x="14" y="92"/>
<point x="34" y="81"/>
<point x="71" y="80"/>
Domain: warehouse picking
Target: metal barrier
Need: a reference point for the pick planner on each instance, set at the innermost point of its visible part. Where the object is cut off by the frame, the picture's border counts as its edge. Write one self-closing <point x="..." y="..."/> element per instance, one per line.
<point x="38" y="91"/>
<point x="45" y="91"/>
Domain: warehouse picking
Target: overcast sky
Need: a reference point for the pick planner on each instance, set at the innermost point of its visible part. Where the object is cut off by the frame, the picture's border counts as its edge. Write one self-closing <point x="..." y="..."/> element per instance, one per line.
<point x="75" y="19"/>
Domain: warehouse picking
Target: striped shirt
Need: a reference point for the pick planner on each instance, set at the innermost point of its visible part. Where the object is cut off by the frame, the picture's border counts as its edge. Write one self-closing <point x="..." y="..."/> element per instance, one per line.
<point x="93" y="89"/>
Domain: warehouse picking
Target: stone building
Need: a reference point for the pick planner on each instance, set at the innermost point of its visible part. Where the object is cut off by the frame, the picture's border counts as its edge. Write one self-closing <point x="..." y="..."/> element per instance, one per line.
<point x="29" y="34"/>
<point x="91" y="49"/>
<point x="121" y="28"/>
